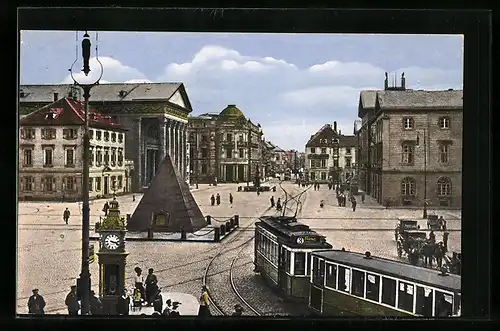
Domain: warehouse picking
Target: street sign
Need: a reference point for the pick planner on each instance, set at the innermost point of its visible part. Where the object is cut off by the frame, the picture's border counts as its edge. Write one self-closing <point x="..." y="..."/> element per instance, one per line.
<point x="91" y="253"/>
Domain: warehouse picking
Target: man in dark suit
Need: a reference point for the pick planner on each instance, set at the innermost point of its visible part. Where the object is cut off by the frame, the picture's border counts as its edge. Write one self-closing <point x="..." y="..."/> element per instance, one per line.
<point x="36" y="303"/>
<point x="72" y="301"/>
<point x="123" y="304"/>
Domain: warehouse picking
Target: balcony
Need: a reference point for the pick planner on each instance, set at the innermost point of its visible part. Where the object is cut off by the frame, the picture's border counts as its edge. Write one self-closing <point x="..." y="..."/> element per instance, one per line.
<point x="227" y="143"/>
<point x="318" y="156"/>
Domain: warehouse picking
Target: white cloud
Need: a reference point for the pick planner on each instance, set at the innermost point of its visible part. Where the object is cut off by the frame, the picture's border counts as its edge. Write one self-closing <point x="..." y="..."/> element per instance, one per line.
<point x="113" y="71"/>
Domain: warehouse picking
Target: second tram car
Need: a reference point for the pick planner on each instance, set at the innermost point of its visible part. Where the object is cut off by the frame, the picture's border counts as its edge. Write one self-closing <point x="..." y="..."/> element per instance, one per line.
<point x="348" y="283"/>
<point x="282" y="254"/>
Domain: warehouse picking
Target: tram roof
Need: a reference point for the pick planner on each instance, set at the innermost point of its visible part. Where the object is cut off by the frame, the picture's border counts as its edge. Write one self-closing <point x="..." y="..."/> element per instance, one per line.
<point x="288" y="227"/>
<point x="393" y="268"/>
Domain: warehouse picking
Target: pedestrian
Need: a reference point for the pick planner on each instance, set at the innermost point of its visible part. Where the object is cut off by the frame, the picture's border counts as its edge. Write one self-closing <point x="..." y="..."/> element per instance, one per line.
<point x="139" y="282"/>
<point x="137" y="299"/>
<point x="278" y="204"/>
<point x="212" y="200"/>
<point x="353" y="203"/>
<point x="432" y="237"/>
<point x="95" y="304"/>
<point x="363" y="197"/>
<point x="217" y="198"/>
<point x="158" y="301"/>
<point x="339" y="201"/>
<point x="123" y="304"/>
<point x="174" y="312"/>
<point x="272" y="201"/>
<point x="442" y="223"/>
<point x="66" y="215"/>
<point x="133" y="197"/>
<point x="204" y="310"/>
<point x="230" y="199"/>
<point x="105" y="208"/>
<point x="321" y="203"/>
<point x="344" y="200"/>
<point x="151" y="286"/>
<point x="238" y="310"/>
<point x="445" y="240"/>
<point x="36" y="303"/>
<point x="72" y="301"/>
<point x="168" y="308"/>
<point x="258" y="190"/>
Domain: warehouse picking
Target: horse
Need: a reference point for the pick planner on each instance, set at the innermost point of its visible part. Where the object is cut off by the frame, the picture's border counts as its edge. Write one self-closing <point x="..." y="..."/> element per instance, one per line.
<point x="430" y="251"/>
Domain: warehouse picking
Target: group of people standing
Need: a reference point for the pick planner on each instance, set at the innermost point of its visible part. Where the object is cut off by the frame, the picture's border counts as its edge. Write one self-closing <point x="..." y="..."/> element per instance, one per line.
<point x="278" y="203"/>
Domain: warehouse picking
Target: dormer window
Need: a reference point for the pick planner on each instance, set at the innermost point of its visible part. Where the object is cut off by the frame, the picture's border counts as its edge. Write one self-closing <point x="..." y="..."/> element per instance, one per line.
<point x="444" y="122"/>
<point x="408" y="123"/>
<point x="122" y="93"/>
<point x="335" y="141"/>
<point x="50" y="116"/>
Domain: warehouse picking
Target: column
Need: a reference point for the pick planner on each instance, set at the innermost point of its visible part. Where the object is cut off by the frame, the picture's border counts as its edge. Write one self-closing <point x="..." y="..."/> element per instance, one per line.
<point x="177" y="146"/>
<point x="184" y="152"/>
<point x="163" y="131"/>
<point x="171" y="139"/>
<point x="138" y="164"/>
<point x="181" y="150"/>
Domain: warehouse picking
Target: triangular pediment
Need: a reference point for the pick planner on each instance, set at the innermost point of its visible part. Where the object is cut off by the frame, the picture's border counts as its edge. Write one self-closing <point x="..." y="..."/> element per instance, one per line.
<point x="168" y="193"/>
<point x="178" y="99"/>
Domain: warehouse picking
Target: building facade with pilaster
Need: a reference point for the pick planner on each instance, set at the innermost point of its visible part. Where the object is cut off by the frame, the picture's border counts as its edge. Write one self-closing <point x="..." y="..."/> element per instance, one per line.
<point x="155" y="115"/>
<point x="225" y="147"/>
<point x="410" y="146"/>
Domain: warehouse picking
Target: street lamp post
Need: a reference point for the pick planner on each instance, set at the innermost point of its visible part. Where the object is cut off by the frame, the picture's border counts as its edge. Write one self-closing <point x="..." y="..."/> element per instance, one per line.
<point x="85" y="271"/>
<point x="425" y="172"/>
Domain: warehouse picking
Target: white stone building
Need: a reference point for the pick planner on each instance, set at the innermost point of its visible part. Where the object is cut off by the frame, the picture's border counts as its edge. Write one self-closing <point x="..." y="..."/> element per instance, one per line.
<point x="51" y="153"/>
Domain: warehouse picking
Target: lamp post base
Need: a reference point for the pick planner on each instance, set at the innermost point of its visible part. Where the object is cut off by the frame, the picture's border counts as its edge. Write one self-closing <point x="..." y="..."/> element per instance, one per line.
<point x="425" y="214"/>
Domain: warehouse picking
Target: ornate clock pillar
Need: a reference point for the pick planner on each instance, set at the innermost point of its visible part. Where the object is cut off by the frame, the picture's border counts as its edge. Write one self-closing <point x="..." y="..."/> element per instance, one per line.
<point x="112" y="257"/>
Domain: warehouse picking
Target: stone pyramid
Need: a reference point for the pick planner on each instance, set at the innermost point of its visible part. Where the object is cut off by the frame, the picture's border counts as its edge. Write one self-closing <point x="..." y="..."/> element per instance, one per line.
<point x="168" y="192"/>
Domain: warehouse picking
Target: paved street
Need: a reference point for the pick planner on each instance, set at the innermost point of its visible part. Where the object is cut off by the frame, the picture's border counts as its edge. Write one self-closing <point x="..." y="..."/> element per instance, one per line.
<point x="49" y="252"/>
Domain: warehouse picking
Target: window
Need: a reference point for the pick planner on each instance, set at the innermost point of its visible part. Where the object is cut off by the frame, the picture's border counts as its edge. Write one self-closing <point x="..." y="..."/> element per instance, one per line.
<point x="300" y="263"/>
<point x="313" y="150"/>
<point x="91" y="184"/>
<point x="444" y="153"/>
<point x="444" y="122"/>
<point x="98" y="135"/>
<point x="331" y="275"/>
<point x="106" y="136"/>
<point x="348" y="151"/>
<point x="113" y="157"/>
<point x="204" y="138"/>
<point x="91" y="134"/>
<point x="312" y="176"/>
<point x="91" y="156"/>
<point x="120" y="181"/>
<point x="98" y="183"/>
<point x="113" y="182"/>
<point x="344" y="279"/>
<point x="389" y="291"/>
<point x="229" y="153"/>
<point x="444" y="187"/>
<point x="424" y="301"/>
<point x="48" y="134"/>
<point x="229" y="137"/>
<point x="408" y="123"/>
<point x="98" y="157"/>
<point x="28" y="183"/>
<point x="407" y="155"/>
<point x="49" y="184"/>
<point x="336" y="163"/>
<point x="27" y="133"/>
<point x="69" y="183"/>
<point x="241" y="138"/>
<point x="28" y="157"/>
<point x="372" y="287"/>
<point x="120" y="137"/>
<point x="120" y="157"/>
<point x="323" y="163"/>
<point x="204" y="152"/>
<point x="106" y="157"/>
<point x="358" y="283"/>
<point x="348" y="162"/>
<point x="323" y="175"/>
<point x="47" y="157"/>
<point x="113" y="137"/>
<point x="408" y="187"/>
<point x="69" y="133"/>
<point x="323" y="150"/>
<point x="70" y="157"/>
<point x="405" y="296"/>
<point x="241" y="153"/>
<point x="444" y="304"/>
<point x="203" y="168"/>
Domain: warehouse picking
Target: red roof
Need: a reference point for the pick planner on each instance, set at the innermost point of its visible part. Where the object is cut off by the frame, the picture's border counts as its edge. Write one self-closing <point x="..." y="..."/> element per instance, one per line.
<point x="67" y="111"/>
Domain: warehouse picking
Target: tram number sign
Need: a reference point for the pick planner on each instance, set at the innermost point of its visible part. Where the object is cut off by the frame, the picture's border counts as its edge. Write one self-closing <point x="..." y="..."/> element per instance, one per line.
<point x="306" y="239"/>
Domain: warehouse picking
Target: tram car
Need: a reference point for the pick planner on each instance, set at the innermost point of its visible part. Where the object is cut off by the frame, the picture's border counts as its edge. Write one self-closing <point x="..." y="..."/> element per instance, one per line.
<point x="282" y="254"/>
<point x="348" y="284"/>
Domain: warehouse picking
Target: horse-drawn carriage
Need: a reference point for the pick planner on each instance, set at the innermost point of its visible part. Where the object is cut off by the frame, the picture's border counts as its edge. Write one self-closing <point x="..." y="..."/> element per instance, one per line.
<point x="403" y="225"/>
<point x="434" y="223"/>
<point x="410" y="243"/>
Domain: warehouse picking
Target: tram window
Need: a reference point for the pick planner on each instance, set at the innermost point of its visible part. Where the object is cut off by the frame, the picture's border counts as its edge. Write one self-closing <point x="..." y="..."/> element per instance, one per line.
<point x="424" y="301"/>
<point x="331" y="275"/>
<point x="300" y="263"/>
<point x="444" y="304"/>
<point x="358" y="283"/>
<point x="458" y="304"/>
<point x="405" y="296"/>
<point x="275" y="253"/>
<point x="344" y="279"/>
<point x="309" y="266"/>
<point x="389" y="291"/>
<point x="287" y="260"/>
<point x="372" y="287"/>
<point x="317" y="274"/>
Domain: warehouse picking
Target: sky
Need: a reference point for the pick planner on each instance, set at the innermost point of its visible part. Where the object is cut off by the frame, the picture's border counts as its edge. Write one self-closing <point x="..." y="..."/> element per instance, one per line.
<point x="292" y="84"/>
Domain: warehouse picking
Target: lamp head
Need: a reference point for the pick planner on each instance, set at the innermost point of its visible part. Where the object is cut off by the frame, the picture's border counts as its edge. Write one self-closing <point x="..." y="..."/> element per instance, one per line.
<point x="86" y="53"/>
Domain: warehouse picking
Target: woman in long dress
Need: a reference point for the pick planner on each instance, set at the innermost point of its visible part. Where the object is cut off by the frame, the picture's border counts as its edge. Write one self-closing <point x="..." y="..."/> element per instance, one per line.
<point x="204" y="302"/>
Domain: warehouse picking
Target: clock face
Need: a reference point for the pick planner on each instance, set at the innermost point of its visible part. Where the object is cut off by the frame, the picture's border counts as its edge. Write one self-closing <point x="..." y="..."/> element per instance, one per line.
<point x="111" y="241"/>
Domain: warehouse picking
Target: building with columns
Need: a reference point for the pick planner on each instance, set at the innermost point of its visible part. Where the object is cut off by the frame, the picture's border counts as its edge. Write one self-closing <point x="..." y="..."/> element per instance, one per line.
<point x="51" y="153"/>
<point x="330" y="155"/>
<point x="225" y="147"/>
<point x="155" y="115"/>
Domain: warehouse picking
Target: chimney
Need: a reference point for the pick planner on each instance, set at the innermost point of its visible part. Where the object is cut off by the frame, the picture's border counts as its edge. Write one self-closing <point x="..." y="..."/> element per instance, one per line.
<point x="335" y="126"/>
<point x="340" y="132"/>
<point x="403" y="81"/>
<point x="386" y="82"/>
<point x="56" y="96"/>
